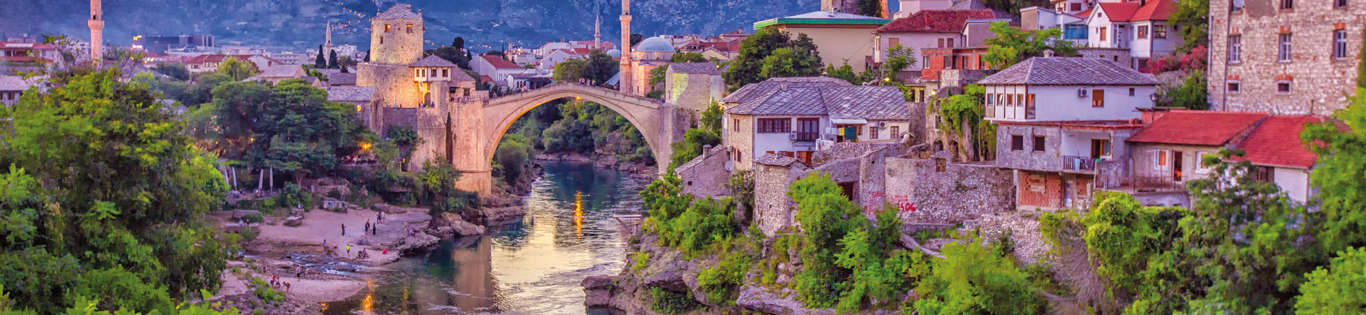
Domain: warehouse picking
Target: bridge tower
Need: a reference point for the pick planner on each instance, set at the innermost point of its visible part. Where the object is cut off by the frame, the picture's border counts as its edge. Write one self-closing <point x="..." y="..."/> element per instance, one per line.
<point x="624" y="82"/>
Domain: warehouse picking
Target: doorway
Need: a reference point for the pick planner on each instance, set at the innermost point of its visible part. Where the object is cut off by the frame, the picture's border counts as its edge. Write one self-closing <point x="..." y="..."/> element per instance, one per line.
<point x="1176" y="166"/>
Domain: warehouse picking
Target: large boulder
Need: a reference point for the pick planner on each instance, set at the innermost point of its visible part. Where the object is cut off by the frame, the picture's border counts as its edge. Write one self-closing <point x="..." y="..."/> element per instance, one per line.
<point x="598" y="291"/>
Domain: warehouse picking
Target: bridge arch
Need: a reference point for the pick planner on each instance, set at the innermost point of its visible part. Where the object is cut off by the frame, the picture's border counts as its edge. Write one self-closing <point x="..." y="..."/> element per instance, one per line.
<point x="656" y="121"/>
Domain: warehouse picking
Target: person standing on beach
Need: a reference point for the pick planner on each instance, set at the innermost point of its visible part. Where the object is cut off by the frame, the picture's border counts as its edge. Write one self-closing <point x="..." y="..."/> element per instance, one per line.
<point x="343" y="229"/>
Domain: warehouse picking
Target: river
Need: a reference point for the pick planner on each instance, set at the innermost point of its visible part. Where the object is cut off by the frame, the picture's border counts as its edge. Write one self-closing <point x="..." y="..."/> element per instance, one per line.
<point x="529" y="267"/>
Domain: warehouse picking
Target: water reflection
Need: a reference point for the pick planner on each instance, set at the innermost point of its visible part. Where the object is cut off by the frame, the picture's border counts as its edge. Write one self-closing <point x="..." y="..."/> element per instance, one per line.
<point x="531" y="266"/>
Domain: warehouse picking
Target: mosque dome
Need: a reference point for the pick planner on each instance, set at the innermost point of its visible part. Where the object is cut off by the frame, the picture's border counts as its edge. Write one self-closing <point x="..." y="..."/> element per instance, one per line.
<point x="615" y="53"/>
<point x="655" y="44"/>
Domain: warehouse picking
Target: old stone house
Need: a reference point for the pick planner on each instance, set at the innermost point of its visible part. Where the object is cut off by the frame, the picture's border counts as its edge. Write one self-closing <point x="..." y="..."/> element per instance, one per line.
<point x="694" y="85"/>
<point x="1061" y="124"/>
<point x="840" y="38"/>
<point x="788" y="116"/>
<point x="1284" y="57"/>
<point x="1168" y="152"/>
<point x="930" y="29"/>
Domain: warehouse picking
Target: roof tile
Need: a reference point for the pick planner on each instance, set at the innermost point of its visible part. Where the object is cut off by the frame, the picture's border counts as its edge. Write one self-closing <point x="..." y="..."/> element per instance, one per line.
<point x="1068" y="71"/>
<point x="1205" y="128"/>
<point x="1276" y="142"/>
<point x="935" y="21"/>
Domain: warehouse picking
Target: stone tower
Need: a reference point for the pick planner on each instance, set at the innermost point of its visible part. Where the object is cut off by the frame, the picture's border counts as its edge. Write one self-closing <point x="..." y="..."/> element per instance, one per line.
<point x="96" y="32"/>
<point x="597" y="32"/>
<point x="327" y="39"/>
<point x="395" y="43"/>
<point x="624" y="82"/>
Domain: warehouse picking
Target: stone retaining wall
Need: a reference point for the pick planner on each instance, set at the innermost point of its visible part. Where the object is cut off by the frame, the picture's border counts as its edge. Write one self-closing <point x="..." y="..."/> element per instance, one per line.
<point x="935" y="190"/>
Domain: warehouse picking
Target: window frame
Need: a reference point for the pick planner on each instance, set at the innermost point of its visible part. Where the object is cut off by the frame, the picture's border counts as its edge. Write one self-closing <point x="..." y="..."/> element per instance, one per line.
<point x="1162" y="159"/>
<point x="1285" y="45"/>
<point x="1340" y="4"/>
<point x="1286" y="5"/>
<point x="1159" y="31"/>
<point x="1017" y="142"/>
<point x="1340" y="44"/>
<point x="1040" y="144"/>
<point x="1142" y="32"/>
<point x="1098" y="98"/>
<point x="774" y="125"/>
<point x="1289" y="87"/>
<point x="1235" y="49"/>
<point x="1234" y="86"/>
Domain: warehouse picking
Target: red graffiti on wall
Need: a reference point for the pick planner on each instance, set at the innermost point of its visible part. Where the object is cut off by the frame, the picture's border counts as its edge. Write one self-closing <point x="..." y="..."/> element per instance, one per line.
<point x="901" y="202"/>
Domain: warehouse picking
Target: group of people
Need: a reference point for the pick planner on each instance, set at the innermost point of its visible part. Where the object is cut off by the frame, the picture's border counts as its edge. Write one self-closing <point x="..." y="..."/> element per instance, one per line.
<point x="275" y="282"/>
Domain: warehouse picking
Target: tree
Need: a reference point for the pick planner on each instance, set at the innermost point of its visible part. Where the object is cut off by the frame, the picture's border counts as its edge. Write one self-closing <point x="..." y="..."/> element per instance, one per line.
<point x="973" y="279"/>
<point x="1337" y="174"/>
<point x="961" y="115"/>
<point x="1361" y="66"/>
<point x="237" y="70"/>
<point x="748" y="65"/>
<point x="173" y="70"/>
<point x="636" y="38"/>
<point x="1191" y="94"/>
<point x="785" y="62"/>
<point x="1193" y="17"/>
<point x="657" y="75"/>
<point x="1012" y="45"/>
<point x="600" y="67"/>
<point x="570" y="70"/>
<point x="101" y="177"/>
<point x="692" y="146"/>
<point x="320" y="62"/>
<point x="458" y="43"/>
<point x="332" y="60"/>
<point x="239" y="105"/>
<point x="684" y="56"/>
<point x="1340" y="287"/>
<point x="870" y="8"/>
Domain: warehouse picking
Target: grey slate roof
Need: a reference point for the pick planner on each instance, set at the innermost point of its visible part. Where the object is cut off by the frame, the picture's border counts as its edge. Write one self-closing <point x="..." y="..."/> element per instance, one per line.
<point x="696" y="68"/>
<point x="281" y="71"/>
<point x="819" y="97"/>
<point x="335" y="79"/>
<point x="350" y="94"/>
<point x="433" y="61"/>
<point x="399" y="11"/>
<point x="1068" y="71"/>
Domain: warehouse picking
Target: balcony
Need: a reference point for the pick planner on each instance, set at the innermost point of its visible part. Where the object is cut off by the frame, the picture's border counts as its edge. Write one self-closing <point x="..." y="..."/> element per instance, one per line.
<point x="1078" y="163"/>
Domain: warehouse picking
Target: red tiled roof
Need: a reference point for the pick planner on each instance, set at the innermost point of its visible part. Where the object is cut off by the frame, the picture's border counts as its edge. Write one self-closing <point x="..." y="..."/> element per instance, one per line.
<point x="1155" y="10"/>
<point x="1189" y="127"/>
<point x="499" y="62"/>
<point x="935" y="21"/>
<point x="582" y="51"/>
<point x="1119" y="11"/>
<point x="1276" y="142"/>
<point x="1085" y="13"/>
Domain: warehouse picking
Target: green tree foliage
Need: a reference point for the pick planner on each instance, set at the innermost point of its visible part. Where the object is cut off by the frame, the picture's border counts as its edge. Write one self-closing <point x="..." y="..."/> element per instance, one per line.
<point x="684" y="222"/>
<point x="748" y="65"/>
<point x="1014" y="6"/>
<point x="1339" y="288"/>
<point x="295" y="130"/>
<point x="104" y="194"/>
<point x="1011" y="45"/>
<point x="201" y="91"/>
<point x="436" y="189"/>
<point x="512" y="158"/>
<point x="1122" y="235"/>
<point x="845" y="72"/>
<point x="657" y="76"/>
<point x="332" y="60"/>
<point x="870" y="8"/>
<point x="684" y="56"/>
<point x="173" y="70"/>
<point x="1191" y="94"/>
<point x="600" y="67"/>
<point x="962" y="116"/>
<point x="695" y="139"/>
<point x="1193" y="17"/>
<point x="711" y="117"/>
<point x="237" y="70"/>
<point x="723" y="281"/>
<point x="570" y="70"/>
<point x="1337" y="174"/>
<point x="320" y="62"/>
<point x="455" y="53"/>
<point x="846" y="261"/>
<point x="973" y="279"/>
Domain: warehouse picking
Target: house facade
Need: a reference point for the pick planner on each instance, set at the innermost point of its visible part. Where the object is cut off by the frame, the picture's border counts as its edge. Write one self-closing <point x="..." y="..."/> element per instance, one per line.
<point x="1168" y="152"/>
<point x="839" y="37"/>
<point x="925" y="30"/>
<point x="1137" y="26"/>
<point x="12" y="87"/>
<point x="1061" y="125"/>
<point x="1284" y="57"/>
<point x="498" y="68"/>
<point x="694" y="85"/>
<point x="789" y="116"/>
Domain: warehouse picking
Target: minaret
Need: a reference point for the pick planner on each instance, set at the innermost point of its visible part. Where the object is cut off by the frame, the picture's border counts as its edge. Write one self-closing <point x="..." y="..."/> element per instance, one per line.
<point x="597" y="32"/>
<point x="96" y="24"/>
<point x="625" y="82"/>
<point x="327" y="42"/>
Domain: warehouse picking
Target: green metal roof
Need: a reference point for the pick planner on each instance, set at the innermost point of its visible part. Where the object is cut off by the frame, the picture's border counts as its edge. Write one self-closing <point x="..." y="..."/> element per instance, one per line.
<point x="823" y="18"/>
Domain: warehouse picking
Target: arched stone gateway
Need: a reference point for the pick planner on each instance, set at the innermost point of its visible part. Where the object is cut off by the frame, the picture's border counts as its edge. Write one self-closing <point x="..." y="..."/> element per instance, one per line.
<point x="477" y="126"/>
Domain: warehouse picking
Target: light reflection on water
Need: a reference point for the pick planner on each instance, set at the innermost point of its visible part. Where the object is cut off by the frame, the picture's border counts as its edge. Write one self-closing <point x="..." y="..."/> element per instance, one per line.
<point x="531" y="266"/>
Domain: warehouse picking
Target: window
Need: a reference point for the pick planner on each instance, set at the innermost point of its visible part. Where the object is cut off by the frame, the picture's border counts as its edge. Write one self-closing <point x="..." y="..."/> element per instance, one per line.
<point x="1284" y="51"/>
<point x="1031" y="100"/>
<point x="893" y="42"/>
<point x="950" y="43"/>
<point x="1235" y="49"/>
<point x="1234" y="86"/>
<point x="1102" y="33"/>
<point x="410" y="28"/>
<point x="1010" y="100"/>
<point x="775" y="125"/>
<point x="989" y="99"/>
<point x="1338" y="4"/>
<point x="941" y="43"/>
<point x="872" y="132"/>
<point x="939" y="165"/>
<point x="1287" y="4"/>
<point x="1142" y="32"/>
<point x="445" y="73"/>
<point x="1236" y="6"/>
<point x="735" y="125"/>
<point x="386" y="28"/>
<point x="1160" y="159"/>
<point x="1264" y="173"/>
<point x="896" y="132"/>
<point x="808" y="129"/>
<point x="1340" y="44"/>
<point x="1283" y="87"/>
<point x="1098" y="98"/>
<point x="1100" y="148"/>
<point x="1076" y="7"/>
<point x="1200" y="163"/>
<point x="381" y="39"/>
<point x="1159" y="31"/>
<point x="1131" y="91"/>
<point x="1039" y="144"/>
<point x="1016" y="142"/>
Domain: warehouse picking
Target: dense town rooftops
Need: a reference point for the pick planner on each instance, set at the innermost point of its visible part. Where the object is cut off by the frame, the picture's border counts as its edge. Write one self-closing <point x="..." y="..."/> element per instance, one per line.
<point x="696" y="68"/>
<point x="339" y="78"/>
<point x="823" y="18"/>
<point x="1068" y="71"/>
<point x="351" y="94"/>
<point x="399" y="11"/>
<point x="768" y="87"/>
<point x="434" y="61"/>
<point x="935" y="21"/>
<point x="1276" y="142"/>
<point x="499" y="62"/>
<point x="1201" y="128"/>
<point x="821" y="98"/>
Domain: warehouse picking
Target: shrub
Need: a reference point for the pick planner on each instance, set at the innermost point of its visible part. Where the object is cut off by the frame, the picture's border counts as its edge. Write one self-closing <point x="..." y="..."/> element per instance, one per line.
<point x="1340" y="287"/>
<point x="266" y="293"/>
<point x="639" y="260"/>
<point x="972" y="279"/>
<point x="721" y="281"/>
<point x="670" y="302"/>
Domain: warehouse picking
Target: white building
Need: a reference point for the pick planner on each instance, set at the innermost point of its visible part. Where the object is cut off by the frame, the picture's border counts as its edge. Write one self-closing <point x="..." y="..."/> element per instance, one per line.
<point x="787" y="116"/>
<point x="1141" y="27"/>
<point x="498" y="68"/>
<point x="1057" y="88"/>
<point x="12" y="87"/>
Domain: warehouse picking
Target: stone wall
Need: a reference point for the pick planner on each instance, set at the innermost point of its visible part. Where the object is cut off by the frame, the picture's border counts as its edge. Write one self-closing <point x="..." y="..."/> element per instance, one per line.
<point x="394" y="85"/>
<point x="397" y="45"/>
<point x="772" y="207"/>
<point x="693" y="91"/>
<point x="1050" y="159"/>
<point x="1319" y="82"/>
<point x="925" y="194"/>
<point x="706" y="175"/>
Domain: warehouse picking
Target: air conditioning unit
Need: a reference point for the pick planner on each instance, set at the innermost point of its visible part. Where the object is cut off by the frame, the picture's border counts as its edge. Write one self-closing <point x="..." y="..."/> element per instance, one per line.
<point x="882" y="124"/>
<point x="1081" y="92"/>
<point x="792" y="136"/>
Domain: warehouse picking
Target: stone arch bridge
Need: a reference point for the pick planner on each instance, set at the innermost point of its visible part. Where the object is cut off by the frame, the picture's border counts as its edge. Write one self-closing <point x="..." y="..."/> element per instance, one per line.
<point x="474" y="127"/>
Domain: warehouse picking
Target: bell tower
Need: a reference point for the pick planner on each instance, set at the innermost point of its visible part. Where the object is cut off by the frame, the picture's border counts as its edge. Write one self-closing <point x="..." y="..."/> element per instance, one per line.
<point x="624" y="83"/>
<point x="96" y="24"/>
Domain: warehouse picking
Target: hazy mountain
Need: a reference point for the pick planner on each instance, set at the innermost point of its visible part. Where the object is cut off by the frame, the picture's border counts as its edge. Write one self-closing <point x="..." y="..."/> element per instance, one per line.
<point x="300" y="23"/>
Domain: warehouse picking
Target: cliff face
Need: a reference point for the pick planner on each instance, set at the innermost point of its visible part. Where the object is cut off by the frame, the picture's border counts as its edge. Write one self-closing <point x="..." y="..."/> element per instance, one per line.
<point x="300" y="24"/>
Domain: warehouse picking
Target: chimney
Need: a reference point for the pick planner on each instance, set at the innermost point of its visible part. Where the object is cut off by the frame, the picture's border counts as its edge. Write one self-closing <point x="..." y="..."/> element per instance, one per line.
<point x="1048" y="53"/>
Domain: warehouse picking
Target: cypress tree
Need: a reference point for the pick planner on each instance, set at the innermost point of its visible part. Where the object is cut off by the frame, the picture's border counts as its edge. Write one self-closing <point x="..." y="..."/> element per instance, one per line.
<point x="332" y="60"/>
<point x="1361" y="65"/>
<point x="319" y="62"/>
